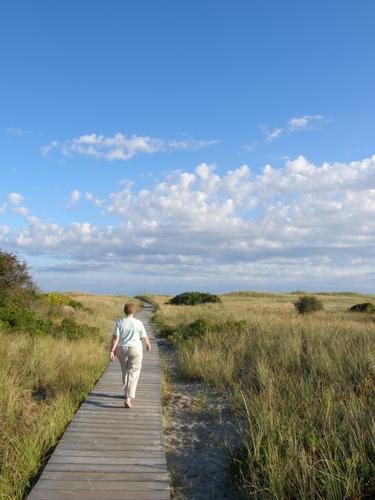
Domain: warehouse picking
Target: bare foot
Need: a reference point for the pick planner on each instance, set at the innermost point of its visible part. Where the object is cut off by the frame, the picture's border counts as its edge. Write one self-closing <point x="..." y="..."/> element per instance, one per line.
<point x="127" y="403"/>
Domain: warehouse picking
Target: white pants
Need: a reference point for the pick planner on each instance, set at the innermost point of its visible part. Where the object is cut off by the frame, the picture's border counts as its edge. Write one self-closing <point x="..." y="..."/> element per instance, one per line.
<point x="130" y="359"/>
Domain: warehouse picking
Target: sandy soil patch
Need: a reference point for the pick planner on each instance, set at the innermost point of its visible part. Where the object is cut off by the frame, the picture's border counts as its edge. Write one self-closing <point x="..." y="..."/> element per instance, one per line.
<point x="197" y="426"/>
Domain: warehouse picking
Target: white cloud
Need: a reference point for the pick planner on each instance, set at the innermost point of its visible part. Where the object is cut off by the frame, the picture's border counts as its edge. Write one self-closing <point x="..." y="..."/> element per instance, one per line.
<point x="74" y="196"/>
<point x="17" y="132"/>
<point x="121" y="147"/>
<point x="296" y="225"/>
<point x="302" y="122"/>
<point x="295" y="124"/>
<point x="46" y="150"/>
<point x="97" y="201"/>
<point x="15" y="198"/>
<point x="20" y="210"/>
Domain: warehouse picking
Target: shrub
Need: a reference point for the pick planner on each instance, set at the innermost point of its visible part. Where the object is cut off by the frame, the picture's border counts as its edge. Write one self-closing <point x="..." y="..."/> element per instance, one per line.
<point x="32" y="322"/>
<point x="57" y="298"/>
<point x="199" y="328"/>
<point x="14" y="277"/>
<point x="308" y="304"/>
<point x="72" y="330"/>
<point x="24" y="319"/>
<point x="193" y="298"/>
<point x="366" y="307"/>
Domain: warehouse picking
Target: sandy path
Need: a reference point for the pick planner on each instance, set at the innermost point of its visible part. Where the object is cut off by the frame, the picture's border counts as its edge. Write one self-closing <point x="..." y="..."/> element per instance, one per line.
<point x="197" y="423"/>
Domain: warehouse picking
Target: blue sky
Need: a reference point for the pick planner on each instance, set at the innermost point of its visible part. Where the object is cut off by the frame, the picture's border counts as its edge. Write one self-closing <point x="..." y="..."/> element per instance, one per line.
<point x="135" y="139"/>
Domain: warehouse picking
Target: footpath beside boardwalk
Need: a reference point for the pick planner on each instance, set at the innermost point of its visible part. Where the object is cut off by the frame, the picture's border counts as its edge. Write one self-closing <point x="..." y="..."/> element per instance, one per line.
<point x="108" y="451"/>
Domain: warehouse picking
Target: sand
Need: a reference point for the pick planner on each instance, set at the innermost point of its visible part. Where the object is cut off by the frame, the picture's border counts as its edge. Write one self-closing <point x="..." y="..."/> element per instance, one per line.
<point x="197" y="427"/>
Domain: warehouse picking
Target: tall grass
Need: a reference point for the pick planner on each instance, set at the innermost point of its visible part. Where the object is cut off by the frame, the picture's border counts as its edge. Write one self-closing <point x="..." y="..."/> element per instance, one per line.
<point x="42" y="381"/>
<point x="303" y="387"/>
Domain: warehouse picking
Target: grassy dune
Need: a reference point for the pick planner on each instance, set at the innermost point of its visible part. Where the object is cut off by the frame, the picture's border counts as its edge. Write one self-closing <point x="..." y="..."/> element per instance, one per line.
<point x="42" y="381"/>
<point x="302" y="389"/>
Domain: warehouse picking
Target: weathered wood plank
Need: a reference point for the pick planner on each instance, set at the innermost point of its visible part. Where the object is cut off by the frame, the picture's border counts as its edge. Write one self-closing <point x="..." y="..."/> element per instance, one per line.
<point x="103" y="460"/>
<point x="98" y="495"/>
<point x="46" y="484"/>
<point x="139" y="469"/>
<point x="104" y="445"/>
<point x="107" y="476"/>
<point x="107" y="451"/>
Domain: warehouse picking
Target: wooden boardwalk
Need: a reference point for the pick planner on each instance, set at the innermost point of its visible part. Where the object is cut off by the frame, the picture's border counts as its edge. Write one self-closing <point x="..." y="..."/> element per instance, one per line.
<point x="107" y="451"/>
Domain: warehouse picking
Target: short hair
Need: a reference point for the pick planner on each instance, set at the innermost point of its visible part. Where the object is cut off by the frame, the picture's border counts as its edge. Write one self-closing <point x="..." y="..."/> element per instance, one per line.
<point x="129" y="308"/>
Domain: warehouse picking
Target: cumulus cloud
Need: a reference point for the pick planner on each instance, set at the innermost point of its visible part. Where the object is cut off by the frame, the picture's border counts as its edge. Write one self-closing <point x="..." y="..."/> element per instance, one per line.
<point x="15" y="198"/>
<point x="97" y="201"/>
<point x="46" y="150"/>
<point x="302" y="122"/>
<point x="296" y="225"/>
<point x="295" y="124"/>
<point x="20" y="210"/>
<point x="74" y="197"/>
<point x="121" y="147"/>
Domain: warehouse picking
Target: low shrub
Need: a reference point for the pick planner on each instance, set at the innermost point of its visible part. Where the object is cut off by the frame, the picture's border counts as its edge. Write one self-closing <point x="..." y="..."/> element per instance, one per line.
<point x="57" y="298"/>
<point x="72" y="330"/>
<point x="308" y="304"/>
<point x="193" y="298"/>
<point x="366" y="307"/>
<point x="30" y="321"/>
<point x="199" y="328"/>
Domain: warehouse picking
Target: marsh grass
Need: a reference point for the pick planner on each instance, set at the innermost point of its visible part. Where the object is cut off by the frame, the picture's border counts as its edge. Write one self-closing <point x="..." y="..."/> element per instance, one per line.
<point x="302" y="390"/>
<point x="42" y="381"/>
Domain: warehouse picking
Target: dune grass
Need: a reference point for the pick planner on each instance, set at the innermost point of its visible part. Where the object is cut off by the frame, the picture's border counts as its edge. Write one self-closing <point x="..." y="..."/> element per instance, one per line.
<point x="302" y="389"/>
<point x="42" y="381"/>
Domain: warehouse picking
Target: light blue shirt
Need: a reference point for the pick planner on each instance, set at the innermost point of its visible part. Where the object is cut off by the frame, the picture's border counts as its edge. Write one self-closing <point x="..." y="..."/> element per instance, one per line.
<point x="130" y="330"/>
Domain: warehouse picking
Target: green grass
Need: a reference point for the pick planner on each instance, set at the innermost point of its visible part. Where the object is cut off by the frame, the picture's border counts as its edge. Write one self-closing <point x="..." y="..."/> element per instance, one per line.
<point x="302" y="390"/>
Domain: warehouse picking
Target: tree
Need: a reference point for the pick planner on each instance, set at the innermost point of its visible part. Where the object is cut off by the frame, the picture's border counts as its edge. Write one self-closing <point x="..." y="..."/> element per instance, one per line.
<point x="14" y="276"/>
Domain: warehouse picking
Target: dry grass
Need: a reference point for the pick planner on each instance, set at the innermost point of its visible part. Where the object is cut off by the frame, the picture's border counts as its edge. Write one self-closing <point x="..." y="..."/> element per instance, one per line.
<point x="303" y="387"/>
<point x="42" y="381"/>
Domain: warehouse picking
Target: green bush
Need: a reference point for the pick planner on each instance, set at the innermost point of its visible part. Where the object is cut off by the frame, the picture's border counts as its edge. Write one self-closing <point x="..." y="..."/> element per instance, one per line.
<point x="15" y="280"/>
<point x="199" y="328"/>
<point x="193" y="298"/>
<point x="33" y="322"/>
<point x="57" y="298"/>
<point x="366" y="307"/>
<point x="24" y="319"/>
<point x="308" y="304"/>
<point x="72" y="330"/>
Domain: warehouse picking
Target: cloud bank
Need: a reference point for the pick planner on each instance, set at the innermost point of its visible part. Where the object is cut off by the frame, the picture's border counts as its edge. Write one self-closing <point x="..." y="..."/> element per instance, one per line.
<point x="300" y="225"/>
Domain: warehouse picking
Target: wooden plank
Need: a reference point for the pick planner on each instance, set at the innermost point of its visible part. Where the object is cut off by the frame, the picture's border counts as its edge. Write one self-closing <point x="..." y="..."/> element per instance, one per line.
<point x="104" y="445"/>
<point x="112" y="439"/>
<point x="107" y="451"/>
<point x="89" y="485"/>
<point x="98" y="495"/>
<point x="107" y="476"/>
<point x="139" y="469"/>
<point x="103" y="460"/>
